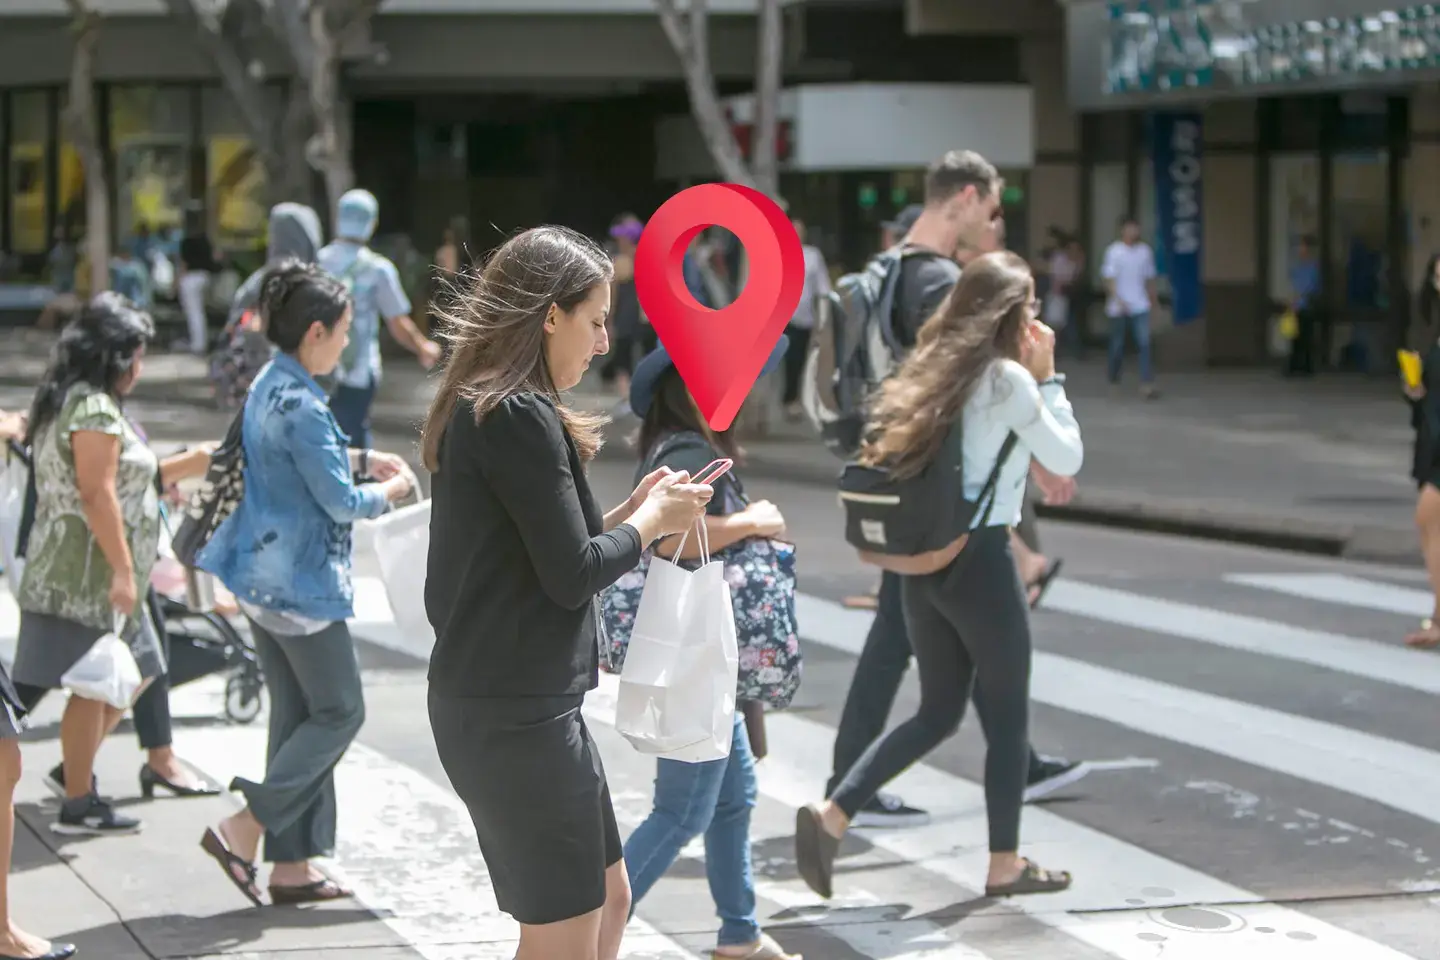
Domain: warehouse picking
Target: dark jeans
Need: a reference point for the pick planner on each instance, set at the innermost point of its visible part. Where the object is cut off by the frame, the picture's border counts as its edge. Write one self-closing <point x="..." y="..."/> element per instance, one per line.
<point x="316" y="709"/>
<point x="1137" y="326"/>
<point x="795" y="356"/>
<point x="351" y="407"/>
<point x="878" y="673"/>
<point x="151" y="713"/>
<point x="1302" y="348"/>
<point x="970" y="625"/>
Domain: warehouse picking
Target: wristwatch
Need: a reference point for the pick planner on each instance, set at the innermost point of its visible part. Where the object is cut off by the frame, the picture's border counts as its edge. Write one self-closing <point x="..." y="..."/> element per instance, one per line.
<point x="1056" y="378"/>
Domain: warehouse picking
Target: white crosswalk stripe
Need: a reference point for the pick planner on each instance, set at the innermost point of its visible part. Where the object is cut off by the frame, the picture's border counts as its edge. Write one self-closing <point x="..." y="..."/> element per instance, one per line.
<point x="407" y="845"/>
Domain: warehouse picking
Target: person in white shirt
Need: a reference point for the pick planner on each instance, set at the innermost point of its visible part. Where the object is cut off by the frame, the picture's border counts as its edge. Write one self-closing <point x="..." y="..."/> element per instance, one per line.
<point x="1129" y="273"/>
<point x="817" y="285"/>
<point x="986" y="364"/>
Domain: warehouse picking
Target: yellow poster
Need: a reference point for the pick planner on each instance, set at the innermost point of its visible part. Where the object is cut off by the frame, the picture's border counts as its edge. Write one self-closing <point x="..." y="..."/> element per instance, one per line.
<point x="237" y="193"/>
<point x="27" y="207"/>
<point x="72" y="190"/>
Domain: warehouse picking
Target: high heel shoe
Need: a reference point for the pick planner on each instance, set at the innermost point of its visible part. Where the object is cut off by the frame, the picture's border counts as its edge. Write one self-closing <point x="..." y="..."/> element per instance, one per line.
<point x="149" y="780"/>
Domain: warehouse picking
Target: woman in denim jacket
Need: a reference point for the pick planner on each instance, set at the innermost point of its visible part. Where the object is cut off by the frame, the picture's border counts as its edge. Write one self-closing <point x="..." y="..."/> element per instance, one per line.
<point x="285" y="554"/>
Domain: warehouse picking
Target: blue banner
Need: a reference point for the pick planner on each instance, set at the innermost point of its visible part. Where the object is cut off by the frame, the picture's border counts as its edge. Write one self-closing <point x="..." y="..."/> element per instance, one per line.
<point x="1175" y="150"/>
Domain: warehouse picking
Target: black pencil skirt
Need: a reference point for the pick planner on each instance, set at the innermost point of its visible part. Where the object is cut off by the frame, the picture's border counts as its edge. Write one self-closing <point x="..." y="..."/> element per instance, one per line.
<point x="529" y="772"/>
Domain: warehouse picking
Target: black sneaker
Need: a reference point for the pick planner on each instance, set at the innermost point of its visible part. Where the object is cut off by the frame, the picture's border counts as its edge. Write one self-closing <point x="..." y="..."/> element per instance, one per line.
<point x="1049" y="774"/>
<point x="92" y="817"/>
<point x="888" y="810"/>
<point x="55" y="781"/>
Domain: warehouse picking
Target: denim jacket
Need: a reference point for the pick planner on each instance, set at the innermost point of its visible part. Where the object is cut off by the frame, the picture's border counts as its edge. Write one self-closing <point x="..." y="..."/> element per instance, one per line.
<point x="286" y="547"/>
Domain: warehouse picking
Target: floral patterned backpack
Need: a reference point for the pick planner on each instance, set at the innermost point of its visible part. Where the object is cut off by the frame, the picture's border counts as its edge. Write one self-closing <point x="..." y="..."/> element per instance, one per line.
<point x="761" y="575"/>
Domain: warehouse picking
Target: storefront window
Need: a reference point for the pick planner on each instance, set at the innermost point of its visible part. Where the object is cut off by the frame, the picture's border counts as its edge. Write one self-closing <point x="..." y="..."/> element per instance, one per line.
<point x="151" y="132"/>
<point x="235" y="178"/>
<point x="1294" y="213"/>
<point x="29" y="168"/>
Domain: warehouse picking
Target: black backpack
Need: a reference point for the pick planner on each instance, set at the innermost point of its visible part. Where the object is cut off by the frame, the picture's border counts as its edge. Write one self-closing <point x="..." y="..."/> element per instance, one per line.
<point x="915" y="525"/>
<point x="853" y="349"/>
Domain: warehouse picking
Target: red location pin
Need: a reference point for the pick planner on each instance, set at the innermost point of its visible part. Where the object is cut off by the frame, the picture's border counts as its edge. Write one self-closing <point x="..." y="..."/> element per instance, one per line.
<point x="720" y="353"/>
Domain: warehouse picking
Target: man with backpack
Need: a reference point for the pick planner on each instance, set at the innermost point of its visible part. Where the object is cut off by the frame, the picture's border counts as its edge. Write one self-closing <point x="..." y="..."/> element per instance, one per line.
<point x="874" y="319"/>
<point x="376" y="294"/>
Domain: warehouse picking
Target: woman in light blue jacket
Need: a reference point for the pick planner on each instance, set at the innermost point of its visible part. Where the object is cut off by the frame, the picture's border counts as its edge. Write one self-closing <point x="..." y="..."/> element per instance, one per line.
<point x="285" y="554"/>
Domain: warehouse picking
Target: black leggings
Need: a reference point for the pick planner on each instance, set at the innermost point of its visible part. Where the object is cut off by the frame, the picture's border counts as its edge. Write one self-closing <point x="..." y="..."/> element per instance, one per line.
<point x="968" y="623"/>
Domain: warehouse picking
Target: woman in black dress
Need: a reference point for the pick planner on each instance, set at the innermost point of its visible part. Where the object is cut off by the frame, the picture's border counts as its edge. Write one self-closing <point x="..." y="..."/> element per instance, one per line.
<point x="519" y="549"/>
<point x="1425" y="418"/>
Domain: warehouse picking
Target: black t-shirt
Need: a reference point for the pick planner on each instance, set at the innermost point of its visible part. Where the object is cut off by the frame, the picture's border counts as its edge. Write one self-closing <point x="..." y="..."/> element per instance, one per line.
<point x="926" y="278"/>
<point x="517" y="557"/>
<point x="197" y="254"/>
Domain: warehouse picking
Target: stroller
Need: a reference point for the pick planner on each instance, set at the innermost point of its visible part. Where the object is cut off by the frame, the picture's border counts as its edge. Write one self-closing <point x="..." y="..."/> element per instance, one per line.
<point x="203" y="640"/>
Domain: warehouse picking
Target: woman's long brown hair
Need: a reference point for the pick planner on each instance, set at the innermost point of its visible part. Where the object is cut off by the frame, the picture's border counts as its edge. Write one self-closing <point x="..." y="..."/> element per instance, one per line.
<point x="496" y="332"/>
<point x="981" y="321"/>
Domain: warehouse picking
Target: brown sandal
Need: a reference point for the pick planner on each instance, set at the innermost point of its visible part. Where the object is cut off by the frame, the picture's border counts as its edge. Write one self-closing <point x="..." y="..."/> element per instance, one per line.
<point x="1032" y="879"/>
<point x="317" y="892"/>
<point x="215" y="845"/>
<point x="815" y="851"/>
<point x="1426" y="637"/>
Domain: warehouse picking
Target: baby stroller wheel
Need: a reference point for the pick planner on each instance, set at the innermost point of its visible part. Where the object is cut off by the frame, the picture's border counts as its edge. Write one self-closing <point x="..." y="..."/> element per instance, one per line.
<point x="242" y="696"/>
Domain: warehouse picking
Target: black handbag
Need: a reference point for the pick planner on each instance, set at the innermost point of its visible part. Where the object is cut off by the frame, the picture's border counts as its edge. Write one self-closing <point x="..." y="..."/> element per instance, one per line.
<point x="217" y="498"/>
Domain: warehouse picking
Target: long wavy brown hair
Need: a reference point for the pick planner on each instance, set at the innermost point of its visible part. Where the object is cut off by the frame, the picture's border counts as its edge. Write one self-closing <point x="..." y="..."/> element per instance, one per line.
<point x="496" y="332"/>
<point x="981" y="321"/>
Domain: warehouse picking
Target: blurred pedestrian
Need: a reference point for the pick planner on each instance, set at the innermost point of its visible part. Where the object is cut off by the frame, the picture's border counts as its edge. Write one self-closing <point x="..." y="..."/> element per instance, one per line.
<point x="197" y="266"/>
<point x="983" y="362"/>
<point x="1424" y="398"/>
<point x="817" y="287"/>
<point x="1129" y="272"/>
<point x="375" y="290"/>
<point x="1305" y="303"/>
<point x="631" y="333"/>
<point x="519" y="550"/>
<point x="294" y="233"/>
<point x="285" y="554"/>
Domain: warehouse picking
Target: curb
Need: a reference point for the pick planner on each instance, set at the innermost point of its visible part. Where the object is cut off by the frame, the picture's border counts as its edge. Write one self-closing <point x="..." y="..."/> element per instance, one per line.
<point x="1119" y="510"/>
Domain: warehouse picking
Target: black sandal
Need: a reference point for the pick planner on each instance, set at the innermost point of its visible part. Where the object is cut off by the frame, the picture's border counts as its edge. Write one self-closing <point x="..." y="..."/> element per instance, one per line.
<point x="215" y="845"/>
<point x="1032" y="879"/>
<point x="317" y="892"/>
<point x="815" y="851"/>
<point x="1043" y="582"/>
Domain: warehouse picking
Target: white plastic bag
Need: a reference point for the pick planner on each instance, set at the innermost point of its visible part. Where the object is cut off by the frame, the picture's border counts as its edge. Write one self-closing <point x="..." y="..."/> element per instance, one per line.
<point x="14" y="475"/>
<point x="107" y="672"/>
<point x="1057" y="311"/>
<point x="677" y="689"/>
<point x="401" y="541"/>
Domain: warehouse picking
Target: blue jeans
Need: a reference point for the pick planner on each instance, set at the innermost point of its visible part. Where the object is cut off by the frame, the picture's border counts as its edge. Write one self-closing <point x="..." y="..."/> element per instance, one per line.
<point x="715" y="799"/>
<point x="1138" y="326"/>
<point x="351" y="406"/>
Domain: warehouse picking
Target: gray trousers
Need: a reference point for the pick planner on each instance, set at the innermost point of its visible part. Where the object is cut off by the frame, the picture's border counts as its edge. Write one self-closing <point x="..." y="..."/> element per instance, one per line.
<point x="316" y="709"/>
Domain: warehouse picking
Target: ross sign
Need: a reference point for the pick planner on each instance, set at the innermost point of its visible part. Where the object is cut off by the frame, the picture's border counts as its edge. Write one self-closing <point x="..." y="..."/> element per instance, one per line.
<point x="1167" y="45"/>
<point x="1176" y="156"/>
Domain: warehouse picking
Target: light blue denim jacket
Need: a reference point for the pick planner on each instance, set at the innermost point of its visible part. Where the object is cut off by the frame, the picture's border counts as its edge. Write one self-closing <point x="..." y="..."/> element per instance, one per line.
<point x="286" y="547"/>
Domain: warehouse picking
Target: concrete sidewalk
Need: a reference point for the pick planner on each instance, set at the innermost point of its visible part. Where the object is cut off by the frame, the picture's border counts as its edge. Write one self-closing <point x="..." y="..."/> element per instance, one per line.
<point x="1320" y="465"/>
<point x="156" y="894"/>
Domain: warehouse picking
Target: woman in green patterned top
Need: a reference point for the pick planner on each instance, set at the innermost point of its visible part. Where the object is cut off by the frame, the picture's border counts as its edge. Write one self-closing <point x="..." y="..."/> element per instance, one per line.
<point x="94" y="539"/>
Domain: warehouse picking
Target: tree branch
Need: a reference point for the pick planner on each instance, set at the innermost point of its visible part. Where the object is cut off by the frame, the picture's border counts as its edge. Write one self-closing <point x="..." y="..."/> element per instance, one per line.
<point x="247" y="94"/>
<point x="768" y="67"/>
<point x="83" y="127"/>
<point x="692" y="47"/>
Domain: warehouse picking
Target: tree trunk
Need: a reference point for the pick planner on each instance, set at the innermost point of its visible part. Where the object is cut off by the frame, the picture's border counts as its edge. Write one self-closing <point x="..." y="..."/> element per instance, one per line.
<point x="690" y="38"/>
<point x="330" y="149"/>
<point x="768" y="65"/>
<point x="279" y="147"/>
<point x="83" y="127"/>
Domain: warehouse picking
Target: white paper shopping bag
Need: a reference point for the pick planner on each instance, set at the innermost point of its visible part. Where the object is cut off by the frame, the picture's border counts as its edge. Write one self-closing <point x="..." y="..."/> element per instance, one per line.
<point x="677" y="689"/>
<point x="401" y="541"/>
<point x="14" y="476"/>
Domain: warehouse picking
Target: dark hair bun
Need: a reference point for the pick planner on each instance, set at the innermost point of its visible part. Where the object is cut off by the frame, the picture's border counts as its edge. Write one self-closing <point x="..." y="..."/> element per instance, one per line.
<point x="294" y="296"/>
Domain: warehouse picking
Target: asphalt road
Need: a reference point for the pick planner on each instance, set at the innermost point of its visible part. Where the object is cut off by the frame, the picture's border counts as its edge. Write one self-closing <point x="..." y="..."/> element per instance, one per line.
<point x="1267" y="785"/>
